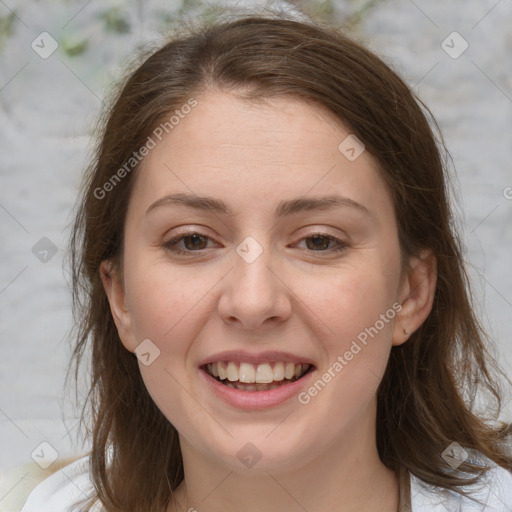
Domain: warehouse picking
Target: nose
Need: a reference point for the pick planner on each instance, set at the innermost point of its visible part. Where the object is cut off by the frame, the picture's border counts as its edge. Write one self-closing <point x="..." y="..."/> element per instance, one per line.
<point x="254" y="295"/>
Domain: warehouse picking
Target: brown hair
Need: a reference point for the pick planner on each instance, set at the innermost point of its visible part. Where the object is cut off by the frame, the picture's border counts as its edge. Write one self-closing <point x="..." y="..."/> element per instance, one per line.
<point x="426" y="396"/>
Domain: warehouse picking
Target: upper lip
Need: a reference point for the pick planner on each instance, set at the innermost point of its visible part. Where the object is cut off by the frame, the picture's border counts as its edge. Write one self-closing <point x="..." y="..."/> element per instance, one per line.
<point x="242" y="356"/>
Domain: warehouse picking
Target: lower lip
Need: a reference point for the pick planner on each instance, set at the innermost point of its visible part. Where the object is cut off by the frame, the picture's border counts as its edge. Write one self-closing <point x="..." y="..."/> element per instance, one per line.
<point x="256" y="400"/>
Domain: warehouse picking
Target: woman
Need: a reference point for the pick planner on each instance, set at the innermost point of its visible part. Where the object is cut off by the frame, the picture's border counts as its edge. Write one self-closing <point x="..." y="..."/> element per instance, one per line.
<point x="275" y="299"/>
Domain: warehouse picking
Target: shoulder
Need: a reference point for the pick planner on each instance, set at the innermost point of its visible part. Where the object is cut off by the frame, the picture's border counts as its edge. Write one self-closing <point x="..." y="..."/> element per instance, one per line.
<point x="493" y="493"/>
<point x="63" y="490"/>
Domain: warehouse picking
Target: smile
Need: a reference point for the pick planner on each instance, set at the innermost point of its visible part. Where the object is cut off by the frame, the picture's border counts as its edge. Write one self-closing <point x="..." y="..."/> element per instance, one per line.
<point x="256" y="377"/>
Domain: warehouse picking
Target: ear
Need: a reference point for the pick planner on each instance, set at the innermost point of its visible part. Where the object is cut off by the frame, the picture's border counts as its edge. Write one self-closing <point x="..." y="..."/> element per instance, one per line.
<point x="416" y="295"/>
<point x="114" y="288"/>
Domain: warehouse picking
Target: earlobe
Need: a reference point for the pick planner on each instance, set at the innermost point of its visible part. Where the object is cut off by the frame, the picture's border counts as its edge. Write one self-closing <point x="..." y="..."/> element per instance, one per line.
<point x="114" y="289"/>
<point x="416" y="295"/>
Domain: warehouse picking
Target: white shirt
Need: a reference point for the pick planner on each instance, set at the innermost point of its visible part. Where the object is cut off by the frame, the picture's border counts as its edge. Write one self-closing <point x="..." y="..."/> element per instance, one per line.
<point x="70" y="484"/>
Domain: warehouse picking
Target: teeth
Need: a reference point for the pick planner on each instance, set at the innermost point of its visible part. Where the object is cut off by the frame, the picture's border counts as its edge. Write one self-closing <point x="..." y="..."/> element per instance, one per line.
<point x="221" y="371"/>
<point x="289" y="371"/>
<point x="279" y="371"/>
<point x="264" y="374"/>
<point x="247" y="373"/>
<point x="232" y="372"/>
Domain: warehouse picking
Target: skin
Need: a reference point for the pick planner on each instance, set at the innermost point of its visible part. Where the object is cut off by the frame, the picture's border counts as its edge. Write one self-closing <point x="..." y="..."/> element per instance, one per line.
<point x="312" y="303"/>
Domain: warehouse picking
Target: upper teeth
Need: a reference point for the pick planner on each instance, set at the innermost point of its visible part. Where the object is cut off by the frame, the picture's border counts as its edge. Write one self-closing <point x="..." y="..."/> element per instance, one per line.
<point x="262" y="373"/>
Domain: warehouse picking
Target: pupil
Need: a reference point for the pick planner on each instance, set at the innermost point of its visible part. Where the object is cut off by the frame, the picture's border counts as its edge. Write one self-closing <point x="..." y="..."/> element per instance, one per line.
<point x="194" y="244"/>
<point x="318" y="238"/>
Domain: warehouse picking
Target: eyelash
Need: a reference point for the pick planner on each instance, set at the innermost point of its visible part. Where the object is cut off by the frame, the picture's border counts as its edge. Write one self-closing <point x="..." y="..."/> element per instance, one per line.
<point x="170" y="245"/>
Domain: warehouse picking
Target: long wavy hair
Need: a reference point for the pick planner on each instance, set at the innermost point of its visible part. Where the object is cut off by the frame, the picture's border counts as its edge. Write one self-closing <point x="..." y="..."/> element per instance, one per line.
<point x="426" y="399"/>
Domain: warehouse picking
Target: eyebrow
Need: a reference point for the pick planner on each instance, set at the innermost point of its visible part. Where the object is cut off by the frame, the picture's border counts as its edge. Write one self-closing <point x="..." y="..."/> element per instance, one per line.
<point x="284" y="208"/>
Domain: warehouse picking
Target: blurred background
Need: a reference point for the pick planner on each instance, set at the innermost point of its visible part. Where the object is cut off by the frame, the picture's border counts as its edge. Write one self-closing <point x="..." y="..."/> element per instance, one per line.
<point x="58" y="60"/>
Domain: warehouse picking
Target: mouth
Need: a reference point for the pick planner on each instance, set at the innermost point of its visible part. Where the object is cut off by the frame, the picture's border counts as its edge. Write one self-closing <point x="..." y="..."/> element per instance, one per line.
<point x="251" y="377"/>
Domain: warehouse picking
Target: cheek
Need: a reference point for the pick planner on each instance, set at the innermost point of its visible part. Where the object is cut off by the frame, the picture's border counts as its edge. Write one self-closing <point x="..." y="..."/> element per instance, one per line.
<point x="166" y="308"/>
<point x="354" y="317"/>
<point x="350" y="300"/>
<point x="357" y="318"/>
<point x="162" y="299"/>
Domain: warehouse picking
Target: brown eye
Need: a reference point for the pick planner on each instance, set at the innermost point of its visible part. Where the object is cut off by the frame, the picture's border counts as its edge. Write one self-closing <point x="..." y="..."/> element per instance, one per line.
<point x="187" y="243"/>
<point x="193" y="242"/>
<point x="319" y="242"/>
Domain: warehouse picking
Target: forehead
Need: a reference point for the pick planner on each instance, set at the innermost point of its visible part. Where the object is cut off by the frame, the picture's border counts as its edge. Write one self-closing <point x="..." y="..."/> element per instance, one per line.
<point x="242" y="151"/>
<point x="229" y="126"/>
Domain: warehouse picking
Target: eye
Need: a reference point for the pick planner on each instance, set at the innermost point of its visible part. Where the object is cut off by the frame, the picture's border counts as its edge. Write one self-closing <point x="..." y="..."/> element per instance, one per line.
<point x="320" y="242"/>
<point x="192" y="242"/>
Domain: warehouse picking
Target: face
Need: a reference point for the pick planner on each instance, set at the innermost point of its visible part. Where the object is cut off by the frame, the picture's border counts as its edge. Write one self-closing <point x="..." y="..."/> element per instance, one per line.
<point x="253" y="242"/>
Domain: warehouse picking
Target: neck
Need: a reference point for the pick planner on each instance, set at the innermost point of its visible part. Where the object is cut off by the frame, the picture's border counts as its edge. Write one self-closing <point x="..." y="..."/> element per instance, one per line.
<point x="348" y="477"/>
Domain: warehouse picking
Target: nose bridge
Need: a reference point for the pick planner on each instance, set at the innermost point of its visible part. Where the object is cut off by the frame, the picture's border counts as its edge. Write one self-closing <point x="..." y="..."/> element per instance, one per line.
<point x="252" y="272"/>
<point x="254" y="293"/>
